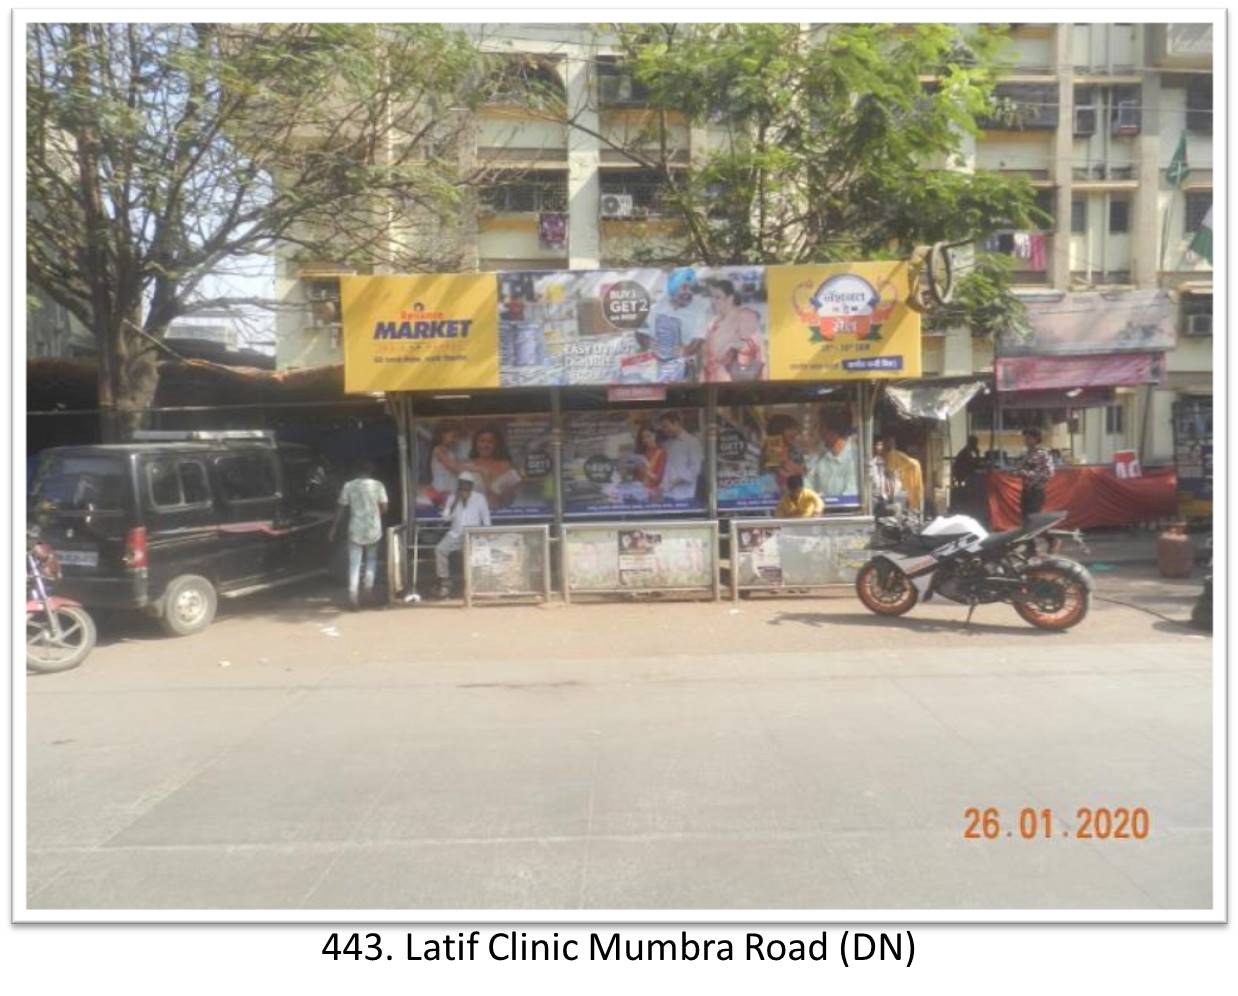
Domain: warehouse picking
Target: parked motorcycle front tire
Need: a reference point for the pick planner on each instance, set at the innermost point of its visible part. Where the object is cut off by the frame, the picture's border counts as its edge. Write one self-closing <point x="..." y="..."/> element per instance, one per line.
<point x="47" y="655"/>
<point x="1061" y="594"/>
<point x="888" y="593"/>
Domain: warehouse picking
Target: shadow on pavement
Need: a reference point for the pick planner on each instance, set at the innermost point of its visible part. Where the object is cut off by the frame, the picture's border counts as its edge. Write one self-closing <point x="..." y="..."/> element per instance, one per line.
<point x="821" y="619"/>
<point x="1182" y="628"/>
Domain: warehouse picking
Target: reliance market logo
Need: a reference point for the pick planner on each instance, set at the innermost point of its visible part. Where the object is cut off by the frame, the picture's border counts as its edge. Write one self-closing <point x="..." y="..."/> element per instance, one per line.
<point x="844" y="304"/>
<point x="418" y="323"/>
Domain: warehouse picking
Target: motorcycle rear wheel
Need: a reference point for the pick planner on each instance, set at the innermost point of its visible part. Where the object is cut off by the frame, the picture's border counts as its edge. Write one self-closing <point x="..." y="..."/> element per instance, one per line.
<point x="892" y="596"/>
<point x="1059" y="601"/>
<point x="47" y="654"/>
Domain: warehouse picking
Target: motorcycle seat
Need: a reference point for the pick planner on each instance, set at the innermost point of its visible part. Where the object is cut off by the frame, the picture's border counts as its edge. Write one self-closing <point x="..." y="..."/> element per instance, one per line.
<point x="1001" y="539"/>
<point x="940" y="539"/>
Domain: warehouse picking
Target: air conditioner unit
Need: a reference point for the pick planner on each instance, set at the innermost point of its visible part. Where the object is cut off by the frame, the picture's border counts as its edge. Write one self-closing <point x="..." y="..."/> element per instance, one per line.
<point x="1085" y="119"/>
<point x="1199" y="325"/>
<point x="617" y="206"/>
<point x="1126" y="120"/>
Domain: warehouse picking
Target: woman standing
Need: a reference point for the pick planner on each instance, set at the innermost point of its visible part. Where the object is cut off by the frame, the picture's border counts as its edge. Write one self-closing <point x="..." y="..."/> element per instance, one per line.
<point x="652" y="458"/>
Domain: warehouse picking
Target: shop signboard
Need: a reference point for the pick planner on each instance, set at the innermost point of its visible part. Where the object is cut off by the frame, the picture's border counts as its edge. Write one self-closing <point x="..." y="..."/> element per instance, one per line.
<point x="842" y="321"/>
<point x="1041" y="373"/>
<point x="636" y="326"/>
<point x="686" y="325"/>
<point x="420" y="333"/>
<point x="633" y="461"/>
<point x="798" y="553"/>
<point x="760" y="446"/>
<point x="1139" y="321"/>
<point x="641" y="556"/>
<point x="509" y="454"/>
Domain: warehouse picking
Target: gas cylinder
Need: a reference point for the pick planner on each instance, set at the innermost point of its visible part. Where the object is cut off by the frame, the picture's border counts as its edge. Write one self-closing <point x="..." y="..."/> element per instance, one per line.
<point x="1175" y="556"/>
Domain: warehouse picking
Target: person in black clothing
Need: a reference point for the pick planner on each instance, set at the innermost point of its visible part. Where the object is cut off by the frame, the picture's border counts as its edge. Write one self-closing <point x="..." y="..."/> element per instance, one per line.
<point x="966" y="462"/>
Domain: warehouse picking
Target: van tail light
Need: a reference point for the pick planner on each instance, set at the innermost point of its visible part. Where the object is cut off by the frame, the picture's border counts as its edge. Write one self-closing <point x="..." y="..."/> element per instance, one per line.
<point x="135" y="547"/>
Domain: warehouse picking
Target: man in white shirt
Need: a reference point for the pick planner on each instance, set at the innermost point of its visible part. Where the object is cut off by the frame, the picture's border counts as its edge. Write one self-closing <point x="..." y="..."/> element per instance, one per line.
<point x="684" y="458"/>
<point x="467" y="507"/>
<point x="675" y="327"/>
<point x="836" y="472"/>
<point x="366" y="500"/>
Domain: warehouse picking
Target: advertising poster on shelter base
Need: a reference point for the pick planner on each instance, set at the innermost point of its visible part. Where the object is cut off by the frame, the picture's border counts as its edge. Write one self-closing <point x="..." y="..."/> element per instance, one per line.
<point x="501" y="563"/>
<point x="633" y="461"/>
<point x="639" y="326"/>
<point x="666" y="556"/>
<point x="760" y="446"/>
<point x="509" y="454"/>
<point x="843" y="321"/>
<point x="808" y="553"/>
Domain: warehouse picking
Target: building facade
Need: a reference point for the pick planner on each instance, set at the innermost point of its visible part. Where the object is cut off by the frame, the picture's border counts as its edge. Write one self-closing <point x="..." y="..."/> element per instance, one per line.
<point x="1115" y="133"/>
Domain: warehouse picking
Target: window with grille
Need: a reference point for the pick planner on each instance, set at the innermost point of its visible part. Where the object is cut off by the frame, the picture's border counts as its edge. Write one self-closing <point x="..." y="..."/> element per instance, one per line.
<point x="1119" y="216"/>
<point x="1079" y="216"/>
<point x="1021" y="106"/>
<point x="1198" y="203"/>
<point x="1115" y="419"/>
<point x="1046" y="201"/>
<point x="527" y="192"/>
<point x="1199" y="105"/>
<point x="1197" y="314"/>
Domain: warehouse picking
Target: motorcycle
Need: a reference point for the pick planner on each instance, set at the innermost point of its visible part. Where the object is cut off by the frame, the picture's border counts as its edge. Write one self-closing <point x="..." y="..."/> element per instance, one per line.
<point x="957" y="558"/>
<point x="59" y="632"/>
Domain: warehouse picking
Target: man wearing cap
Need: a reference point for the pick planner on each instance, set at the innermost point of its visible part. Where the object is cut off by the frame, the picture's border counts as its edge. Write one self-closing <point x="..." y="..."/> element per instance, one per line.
<point x="467" y="507"/>
<point x="676" y="326"/>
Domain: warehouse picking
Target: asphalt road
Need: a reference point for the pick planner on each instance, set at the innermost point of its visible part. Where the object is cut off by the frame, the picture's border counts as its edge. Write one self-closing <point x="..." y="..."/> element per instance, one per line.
<point x="773" y="754"/>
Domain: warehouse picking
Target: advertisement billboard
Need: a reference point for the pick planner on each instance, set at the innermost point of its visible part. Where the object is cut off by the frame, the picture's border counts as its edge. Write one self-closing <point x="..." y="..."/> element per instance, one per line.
<point x="1140" y="321"/>
<point x="420" y="333"/>
<point x="842" y="321"/>
<point x="638" y="326"/>
<point x="509" y="454"/>
<point x="633" y="461"/>
<point x="760" y="446"/>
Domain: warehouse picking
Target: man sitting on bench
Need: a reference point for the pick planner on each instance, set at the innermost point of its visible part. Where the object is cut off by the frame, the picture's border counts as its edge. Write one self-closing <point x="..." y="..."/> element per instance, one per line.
<point x="467" y="507"/>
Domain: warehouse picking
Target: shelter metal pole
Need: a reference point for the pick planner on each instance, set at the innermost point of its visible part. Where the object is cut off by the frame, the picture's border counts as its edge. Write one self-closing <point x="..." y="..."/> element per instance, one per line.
<point x="410" y="512"/>
<point x="556" y="468"/>
<point x="711" y="447"/>
<point x="866" y="448"/>
<point x="1143" y="428"/>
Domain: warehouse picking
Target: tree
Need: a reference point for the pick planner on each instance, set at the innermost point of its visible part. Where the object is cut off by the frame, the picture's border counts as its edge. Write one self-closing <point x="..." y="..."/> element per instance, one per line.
<point x="832" y="143"/>
<point x="161" y="157"/>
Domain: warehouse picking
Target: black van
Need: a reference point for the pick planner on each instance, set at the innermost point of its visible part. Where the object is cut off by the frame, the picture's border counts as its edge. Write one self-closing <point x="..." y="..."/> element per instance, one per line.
<point x="169" y="526"/>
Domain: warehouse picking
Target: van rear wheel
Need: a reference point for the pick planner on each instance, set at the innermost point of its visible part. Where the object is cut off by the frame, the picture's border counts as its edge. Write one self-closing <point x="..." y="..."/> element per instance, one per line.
<point x="189" y="605"/>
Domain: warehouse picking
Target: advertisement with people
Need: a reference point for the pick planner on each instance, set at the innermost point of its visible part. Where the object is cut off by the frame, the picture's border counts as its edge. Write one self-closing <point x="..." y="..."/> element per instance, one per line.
<point x="633" y="461"/>
<point x="842" y="321"/>
<point x="761" y="446"/>
<point x="509" y="455"/>
<point x="637" y="326"/>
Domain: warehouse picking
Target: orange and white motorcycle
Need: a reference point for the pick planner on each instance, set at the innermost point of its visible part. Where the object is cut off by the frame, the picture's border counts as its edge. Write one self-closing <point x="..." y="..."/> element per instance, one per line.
<point x="957" y="558"/>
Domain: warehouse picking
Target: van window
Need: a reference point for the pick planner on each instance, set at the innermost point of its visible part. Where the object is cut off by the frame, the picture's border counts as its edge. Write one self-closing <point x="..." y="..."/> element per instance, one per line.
<point x="177" y="483"/>
<point x="246" y="476"/>
<point x="309" y="483"/>
<point x="79" y="483"/>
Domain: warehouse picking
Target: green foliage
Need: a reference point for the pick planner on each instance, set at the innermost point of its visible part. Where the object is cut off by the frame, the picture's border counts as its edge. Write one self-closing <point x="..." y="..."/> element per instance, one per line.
<point x="832" y="144"/>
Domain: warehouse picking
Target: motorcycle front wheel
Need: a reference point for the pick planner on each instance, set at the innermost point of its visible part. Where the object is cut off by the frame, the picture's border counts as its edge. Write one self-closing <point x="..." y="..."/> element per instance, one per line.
<point x="1056" y="598"/>
<point x="47" y="653"/>
<point x="886" y="592"/>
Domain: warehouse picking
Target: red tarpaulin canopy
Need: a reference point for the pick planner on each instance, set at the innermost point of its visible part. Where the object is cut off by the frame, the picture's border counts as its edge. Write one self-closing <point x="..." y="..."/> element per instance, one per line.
<point x="1093" y="496"/>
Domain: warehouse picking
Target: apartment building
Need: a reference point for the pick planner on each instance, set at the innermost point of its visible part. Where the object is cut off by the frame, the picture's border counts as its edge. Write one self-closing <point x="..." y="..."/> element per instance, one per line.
<point x="1102" y="110"/>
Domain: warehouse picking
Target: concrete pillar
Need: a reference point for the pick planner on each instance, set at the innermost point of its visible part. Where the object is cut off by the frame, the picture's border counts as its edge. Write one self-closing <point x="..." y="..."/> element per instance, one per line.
<point x="1146" y="242"/>
<point x="584" y="242"/>
<point x="1063" y="146"/>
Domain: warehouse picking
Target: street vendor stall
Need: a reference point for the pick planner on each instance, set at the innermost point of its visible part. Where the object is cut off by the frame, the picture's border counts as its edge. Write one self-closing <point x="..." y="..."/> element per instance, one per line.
<point x="1091" y="496"/>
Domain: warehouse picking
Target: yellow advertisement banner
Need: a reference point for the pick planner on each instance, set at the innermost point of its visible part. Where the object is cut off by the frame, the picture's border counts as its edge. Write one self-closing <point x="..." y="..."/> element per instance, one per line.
<point x="842" y="321"/>
<point x="420" y="333"/>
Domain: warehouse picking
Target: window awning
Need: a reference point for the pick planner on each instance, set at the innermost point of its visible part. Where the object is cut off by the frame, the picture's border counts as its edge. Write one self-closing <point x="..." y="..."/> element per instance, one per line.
<point x="928" y="400"/>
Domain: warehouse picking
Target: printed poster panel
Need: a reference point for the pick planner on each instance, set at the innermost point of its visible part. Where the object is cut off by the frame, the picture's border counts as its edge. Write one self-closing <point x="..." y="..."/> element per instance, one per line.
<point x="842" y="321"/>
<point x="506" y="563"/>
<point x="1193" y="453"/>
<point x="419" y="333"/>
<point x="802" y="554"/>
<point x="633" y="461"/>
<point x="636" y="326"/>
<point x="760" y="446"/>
<point x="641" y="558"/>
<point x="509" y="454"/>
<point x="1140" y="321"/>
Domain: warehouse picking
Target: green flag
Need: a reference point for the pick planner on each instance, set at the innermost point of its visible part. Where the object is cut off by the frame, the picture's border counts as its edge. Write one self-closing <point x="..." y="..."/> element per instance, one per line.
<point x="1201" y="245"/>
<point x="1177" y="165"/>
